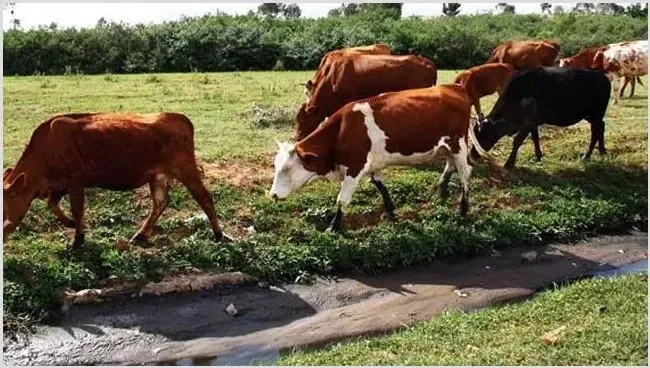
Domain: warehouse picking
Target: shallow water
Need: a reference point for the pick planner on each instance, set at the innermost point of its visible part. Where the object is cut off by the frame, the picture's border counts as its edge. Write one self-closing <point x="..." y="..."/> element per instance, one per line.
<point x="640" y="266"/>
<point x="255" y="355"/>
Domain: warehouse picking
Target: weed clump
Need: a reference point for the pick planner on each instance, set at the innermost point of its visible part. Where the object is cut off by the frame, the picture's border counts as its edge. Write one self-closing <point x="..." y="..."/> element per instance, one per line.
<point x="264" y="116"/>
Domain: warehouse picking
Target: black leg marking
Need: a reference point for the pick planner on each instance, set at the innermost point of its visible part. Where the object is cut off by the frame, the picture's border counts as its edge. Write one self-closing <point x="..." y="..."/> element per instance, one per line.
<point x="335" y="225"/>
<point x="388" y="202"/>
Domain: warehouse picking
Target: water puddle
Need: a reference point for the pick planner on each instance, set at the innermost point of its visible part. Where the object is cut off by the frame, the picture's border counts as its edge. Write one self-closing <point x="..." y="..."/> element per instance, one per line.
<point x="260" y="355"/>
<point x="640" y="266"/>
<point x="240" y="356"/>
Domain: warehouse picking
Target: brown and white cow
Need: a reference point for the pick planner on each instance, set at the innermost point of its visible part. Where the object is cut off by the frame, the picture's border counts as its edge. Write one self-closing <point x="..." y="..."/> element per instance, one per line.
<point x="484" y="80"/>
<point x="584" y="60"/>
<point x="353" y="77"/>
<point x="362" y="138"/>
<point x="621" y="60"/>
<point x="526" y="54"/>
<point x="68" y="153"/>
<point x="376" y="49"/>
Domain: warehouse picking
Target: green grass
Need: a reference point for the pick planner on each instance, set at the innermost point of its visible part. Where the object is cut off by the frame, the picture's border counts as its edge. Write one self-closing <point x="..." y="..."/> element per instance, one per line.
<point x="600" y="330"/>
<point x="561" y="198"/>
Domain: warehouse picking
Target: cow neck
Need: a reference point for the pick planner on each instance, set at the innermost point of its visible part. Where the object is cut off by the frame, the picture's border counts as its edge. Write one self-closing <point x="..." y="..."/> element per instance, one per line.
<point x="33" y="160"/>
<point x="321" y="142"/>
<point x="322" y="98"/>
<point x="307" y="126"/>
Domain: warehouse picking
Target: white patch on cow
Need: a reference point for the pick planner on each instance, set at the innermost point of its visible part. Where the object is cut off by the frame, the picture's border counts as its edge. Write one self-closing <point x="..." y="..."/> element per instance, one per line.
<point x="446" y="173"/>
<point x="378" y="158"/>
<point x="338" y="174"/>
<point x="562" y="62"/>
<point x="290" y="173"/>
<point x="462" y="166"/>
<point x="348" y="187"/>
<point x="631" y="59"/>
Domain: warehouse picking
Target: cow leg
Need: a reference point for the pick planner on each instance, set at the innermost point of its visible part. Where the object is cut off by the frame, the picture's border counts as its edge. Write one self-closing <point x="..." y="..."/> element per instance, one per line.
<point x="443" y="182"/>
<point x="159" y="189"/>
<point x="626" y="80"/>
<point x="616" y="85"/>
<point x="477" y="107"/>
<point x="77" y="209"/>
<point x="597" y="135"/>
<point x="348" y="187"/>
<point x="633" y="84"/>
<point x="188" y="175"/>
<point x="519" y="139"/>
<point x="534" y="135"/>
<point x="464" y="172"/>
<point x="53" y="203"/>
<point x="388" y="202"/>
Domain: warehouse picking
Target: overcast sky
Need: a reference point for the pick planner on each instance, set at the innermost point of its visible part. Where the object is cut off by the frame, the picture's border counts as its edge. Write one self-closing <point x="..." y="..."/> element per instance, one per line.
<point x="87" y="14"/>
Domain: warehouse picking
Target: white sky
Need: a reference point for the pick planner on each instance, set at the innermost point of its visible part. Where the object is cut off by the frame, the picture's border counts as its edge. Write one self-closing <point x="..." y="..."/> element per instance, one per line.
<point x="87" y="14"/>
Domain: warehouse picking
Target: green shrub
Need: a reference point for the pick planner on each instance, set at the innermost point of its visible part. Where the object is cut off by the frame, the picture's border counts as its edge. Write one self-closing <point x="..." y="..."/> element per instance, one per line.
<point x="228" y="43"/>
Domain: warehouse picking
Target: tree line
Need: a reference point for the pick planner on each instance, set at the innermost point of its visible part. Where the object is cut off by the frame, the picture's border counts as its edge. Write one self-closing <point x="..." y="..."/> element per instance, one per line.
<point x="282" y="40"/>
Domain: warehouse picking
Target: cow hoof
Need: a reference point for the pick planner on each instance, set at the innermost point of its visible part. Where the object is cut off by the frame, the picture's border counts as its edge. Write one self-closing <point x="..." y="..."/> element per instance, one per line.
<point x="390" y="217"/>
<point x="138" y="239"/>
<point x="443" y="192"/>
<point x="70" y="224"/>
<point x="333" y="230"/>
<point x="78" y="241"/>
<point x="224" y="238"/>
<point x="509" y="165"/>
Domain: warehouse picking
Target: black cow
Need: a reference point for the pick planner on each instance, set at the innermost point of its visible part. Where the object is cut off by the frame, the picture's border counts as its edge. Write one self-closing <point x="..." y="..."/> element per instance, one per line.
<point x="554" y="96"/>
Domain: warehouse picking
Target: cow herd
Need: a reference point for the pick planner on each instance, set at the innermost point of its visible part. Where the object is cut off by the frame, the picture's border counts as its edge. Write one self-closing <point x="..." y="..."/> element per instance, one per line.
<point x="365" y="110"/>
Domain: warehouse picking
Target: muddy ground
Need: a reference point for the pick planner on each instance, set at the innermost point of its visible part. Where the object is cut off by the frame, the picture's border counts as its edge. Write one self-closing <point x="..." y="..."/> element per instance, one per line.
<point x="193" y="326"/>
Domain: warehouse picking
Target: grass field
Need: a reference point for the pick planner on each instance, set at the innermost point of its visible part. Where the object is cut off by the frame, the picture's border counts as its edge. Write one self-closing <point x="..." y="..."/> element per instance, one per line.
<point x="597" y="331"/>
<point x="560" y="198"/>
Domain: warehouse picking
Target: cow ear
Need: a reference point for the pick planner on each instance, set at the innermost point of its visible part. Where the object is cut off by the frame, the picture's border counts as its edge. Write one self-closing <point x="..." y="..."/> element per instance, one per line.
<point x="6" y="173"/>
<point x="310" y="109"/>
<point x="309" y="84"/>
<point x="18" y="184"/>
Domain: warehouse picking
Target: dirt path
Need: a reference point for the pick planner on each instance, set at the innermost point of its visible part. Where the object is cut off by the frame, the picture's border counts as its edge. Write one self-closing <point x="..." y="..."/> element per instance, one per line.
<point x="193" y="328"/>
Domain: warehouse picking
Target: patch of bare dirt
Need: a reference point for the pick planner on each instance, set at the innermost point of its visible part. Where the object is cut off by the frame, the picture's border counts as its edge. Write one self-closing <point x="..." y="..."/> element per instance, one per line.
<point x="355" y="221"/>
<point x="242" y="174"/>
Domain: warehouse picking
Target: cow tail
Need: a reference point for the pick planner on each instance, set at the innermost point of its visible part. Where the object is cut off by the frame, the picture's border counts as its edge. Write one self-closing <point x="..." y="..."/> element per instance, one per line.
<point x="481" y="152"/>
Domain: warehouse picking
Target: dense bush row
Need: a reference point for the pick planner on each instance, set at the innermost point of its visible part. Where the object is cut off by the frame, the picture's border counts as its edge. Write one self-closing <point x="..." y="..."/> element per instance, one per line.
<point x="225" y="43"/>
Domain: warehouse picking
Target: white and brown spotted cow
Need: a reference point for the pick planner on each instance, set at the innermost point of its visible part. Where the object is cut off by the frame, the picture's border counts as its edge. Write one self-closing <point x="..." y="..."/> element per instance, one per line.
<point x="622" y="60"/>
<point x="363" y="137"/>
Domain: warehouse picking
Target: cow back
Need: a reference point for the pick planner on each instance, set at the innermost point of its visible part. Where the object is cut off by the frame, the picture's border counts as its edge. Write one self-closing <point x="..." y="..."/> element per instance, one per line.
<point x="112" y="151"/>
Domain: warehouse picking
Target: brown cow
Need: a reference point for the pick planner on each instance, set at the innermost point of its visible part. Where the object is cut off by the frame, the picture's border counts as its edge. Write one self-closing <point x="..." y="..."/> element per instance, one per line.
<point x="353" y="77"/>
<point x="68" y="153"/>
<point x="484" y="80"/>
<point x="398" y="128"/>
<point x="376" y="49"/>
<point x="585" y="60"/>
<point x="526" y="54"/>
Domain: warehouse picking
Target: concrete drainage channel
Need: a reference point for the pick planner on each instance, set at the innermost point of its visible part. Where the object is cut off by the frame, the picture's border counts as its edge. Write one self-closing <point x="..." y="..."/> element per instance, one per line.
<point x="240" y="321"/>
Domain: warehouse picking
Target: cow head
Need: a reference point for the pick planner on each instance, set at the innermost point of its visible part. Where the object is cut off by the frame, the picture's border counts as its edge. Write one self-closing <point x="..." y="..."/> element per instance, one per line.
<point x="16" y="200"/>
<point x="291" y="170"/>
<point x="307" y="120"/>
<point x="488" y="132"/>
<point x="598" y="62"/>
